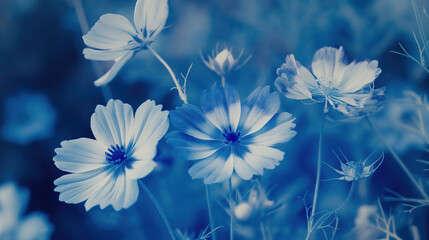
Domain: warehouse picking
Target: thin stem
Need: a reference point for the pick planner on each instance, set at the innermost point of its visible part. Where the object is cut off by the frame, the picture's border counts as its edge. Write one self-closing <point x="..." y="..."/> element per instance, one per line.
<point x="84" y="27"/>
<point x="398" y="159"/>
<point x="158" y="207"/>
<point x="209" y="207"/>
<point x="262" y="226"/>
<point x="223" y="81"/>
<point x="319" y="165"/>
<point x="182" y="94"/>
<point x="420" y="27"/>
<point x="349" y="196"/>
<point x="231" y="229"/>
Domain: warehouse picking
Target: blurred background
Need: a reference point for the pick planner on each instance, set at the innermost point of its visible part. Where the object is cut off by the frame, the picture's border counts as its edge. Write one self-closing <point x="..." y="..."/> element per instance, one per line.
<point x="47" y="95"/>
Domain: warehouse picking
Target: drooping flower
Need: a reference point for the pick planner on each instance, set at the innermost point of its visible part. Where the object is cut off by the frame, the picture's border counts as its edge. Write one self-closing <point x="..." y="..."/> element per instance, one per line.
<point x="105" y="171"/>
<point x="347" y="87"/>
<point x="353" y="171"/>
<point x="28" y="117"/>
<point x="113" y="38"/>
<point x="226" y="136"/>
<point x="222" y="62"/>
<point x="13" y="223"/>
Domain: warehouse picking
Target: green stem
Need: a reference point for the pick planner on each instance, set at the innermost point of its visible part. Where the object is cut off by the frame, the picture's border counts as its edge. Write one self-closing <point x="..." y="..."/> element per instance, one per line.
<point x="223" y="81"/>
<point x="262" y="226"/>
<point x="398" y="160"/>
<point x="158" y="207"/>
<point x="179" y="88"/>
<point x="209" y="207"/>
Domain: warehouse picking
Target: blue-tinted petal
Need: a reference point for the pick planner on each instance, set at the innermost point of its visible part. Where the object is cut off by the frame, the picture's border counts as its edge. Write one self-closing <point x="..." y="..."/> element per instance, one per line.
<point x="258" y="108"/>
<point x="113" y="124"/>
<point x="329" y="63"/>
<point x="222" y="106"/>
<point x="109" y="32"/>
<point x="117" y="66"/>
<point x="80" y="155"/>
<point x="150" y="17"/>
<point x="191" y="148"/>
<point x="277" y="130"/>
<point x="359" y="74"/>
<point x="191" y="120"/>
<point x="216" y="168"/>
<point x="295" y="81"/>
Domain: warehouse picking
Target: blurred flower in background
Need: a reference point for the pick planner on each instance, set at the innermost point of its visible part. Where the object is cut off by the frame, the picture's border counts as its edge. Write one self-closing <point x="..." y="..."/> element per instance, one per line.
<point x="14" y="225"/>
<point x="28" y="117"/>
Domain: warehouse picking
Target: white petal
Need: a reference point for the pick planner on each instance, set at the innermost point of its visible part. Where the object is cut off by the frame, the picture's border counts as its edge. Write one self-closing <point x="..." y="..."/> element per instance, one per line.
<point x="242" y="169"/>
<point x="277" y="130"/>
<point x="78" y="187"/>
<point x="193" y="148"/>
<point x="80" y="155"/>
<point x="104" y="55"/>
<point x="215" y="168"/>
<point x="258" y="108"/>
<point x="359" y="74"/>
<point x="117" y="66"/>
<point x="113" y="124"/>
<point x="222" y="106"/>
<point x="150" y="15"/>
<point x="112" y="31"/>
<point x="191" y="120"/>
<point x="329" y="64"/>
<point x="295" y="81"/>
<point x="151" y="124"/>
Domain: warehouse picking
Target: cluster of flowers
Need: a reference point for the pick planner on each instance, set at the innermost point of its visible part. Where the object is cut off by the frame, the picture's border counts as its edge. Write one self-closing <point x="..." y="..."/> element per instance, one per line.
<point x="224" y="136"/>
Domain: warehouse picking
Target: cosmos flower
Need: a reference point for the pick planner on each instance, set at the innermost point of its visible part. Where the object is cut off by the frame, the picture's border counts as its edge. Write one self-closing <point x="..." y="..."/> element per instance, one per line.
<point x="223" y="62"/>
<point x="370" y="105"/>
<point x="353" y="171"/>
<point x="105" y="171"/>
<point x="113" y="38"/>
<point x="226" y="135"/>
<point x="28" y="117"/>
<point x="331" y="80"/>
<point x="13" y="223"/>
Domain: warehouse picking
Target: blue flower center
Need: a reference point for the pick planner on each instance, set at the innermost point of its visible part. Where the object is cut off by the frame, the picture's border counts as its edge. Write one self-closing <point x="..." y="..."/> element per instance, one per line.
<point x="115" y="155"/>
<point x="230" y="136"/>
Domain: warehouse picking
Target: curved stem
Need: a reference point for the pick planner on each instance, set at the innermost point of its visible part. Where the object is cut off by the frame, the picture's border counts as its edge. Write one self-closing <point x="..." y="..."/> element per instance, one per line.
<point x="158" y="207"/>
<point x="349" y="196"/>
<point x="179" y="88"/>
<point x="209" y="207"/>
<point x="84" y="27"/>
<point x="231" y="229"/>
<point x="398" y="160"/>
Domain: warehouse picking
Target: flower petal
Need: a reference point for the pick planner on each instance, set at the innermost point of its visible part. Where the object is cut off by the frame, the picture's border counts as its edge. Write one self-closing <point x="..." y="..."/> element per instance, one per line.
<point x="359" y="74"/>
<point x="80" y="155"/>
<point x="277" y="130"/>
<point x="78" y="187"/>
<point x="216" y="168"/>
<point x="258" y="108"/>
<point x="222" y="106"/>
<point x="113" y="124"/>
<point x="329" y="63"/>
<point x="295" y="81"/>
<point x="150" y="17"/>
<point x="109" y="32"/>
<point x="193" y="122"/>
<point x="151" y="124"/>
<point x="192" y="148"/>
<point x="117" y="66"/>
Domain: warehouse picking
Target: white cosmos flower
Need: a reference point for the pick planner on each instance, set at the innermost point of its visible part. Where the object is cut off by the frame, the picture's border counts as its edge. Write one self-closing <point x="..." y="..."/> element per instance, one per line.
<point x="105" y="171"/>
<point x="113" y="38"/>
<point x="332" y="80"/>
